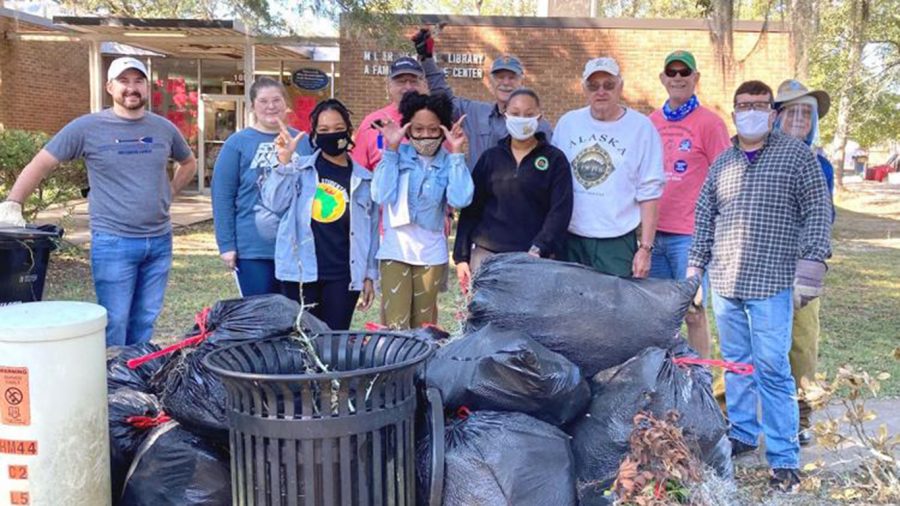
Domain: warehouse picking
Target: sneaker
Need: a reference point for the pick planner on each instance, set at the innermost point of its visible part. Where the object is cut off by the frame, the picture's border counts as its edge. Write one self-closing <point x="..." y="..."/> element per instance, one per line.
<point x="739" y="448"/>
<point x="805" y="436"/>
<point x="785" y="480"/>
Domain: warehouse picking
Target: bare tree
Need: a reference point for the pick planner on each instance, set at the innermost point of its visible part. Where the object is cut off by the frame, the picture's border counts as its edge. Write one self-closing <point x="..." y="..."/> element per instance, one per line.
<point x="855" y="38"/>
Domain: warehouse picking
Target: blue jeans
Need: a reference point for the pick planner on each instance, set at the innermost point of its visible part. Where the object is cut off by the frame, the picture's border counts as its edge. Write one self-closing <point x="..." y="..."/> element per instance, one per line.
<point x="669" y="259"/>
<point x="758" y="332"/>
<point x="130" y="276"/>
<point x="256" y="276"/>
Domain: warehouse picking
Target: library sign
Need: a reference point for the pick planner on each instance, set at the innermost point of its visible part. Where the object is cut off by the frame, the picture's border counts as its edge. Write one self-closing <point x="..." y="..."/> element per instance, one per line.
<point x="458" y="65"/>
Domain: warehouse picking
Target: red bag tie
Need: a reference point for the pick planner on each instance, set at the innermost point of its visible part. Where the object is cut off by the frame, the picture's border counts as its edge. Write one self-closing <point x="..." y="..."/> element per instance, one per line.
<point x="374" y="327"/>
<point x="148" y="422"/>
<point x="200" y="319"/>
<point x="734" y="367"/>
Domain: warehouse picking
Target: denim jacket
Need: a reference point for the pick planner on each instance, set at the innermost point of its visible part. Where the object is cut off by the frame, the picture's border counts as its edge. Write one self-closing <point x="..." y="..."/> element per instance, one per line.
<point x="290" y="191"/>
<point x="447" y="181"/>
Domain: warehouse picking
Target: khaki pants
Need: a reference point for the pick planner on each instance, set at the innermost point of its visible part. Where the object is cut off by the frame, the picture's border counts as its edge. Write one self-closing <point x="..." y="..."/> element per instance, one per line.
<point x="409" y="293"/>
<point x="804" y="353"/>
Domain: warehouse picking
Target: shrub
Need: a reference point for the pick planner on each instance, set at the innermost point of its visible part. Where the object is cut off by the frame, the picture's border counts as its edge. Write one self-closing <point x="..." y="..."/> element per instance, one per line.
<point x="17" y="148"/>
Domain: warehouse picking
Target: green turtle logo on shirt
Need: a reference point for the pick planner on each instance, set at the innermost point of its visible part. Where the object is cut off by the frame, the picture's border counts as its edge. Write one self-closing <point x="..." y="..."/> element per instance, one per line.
<point x="542" y="163"/>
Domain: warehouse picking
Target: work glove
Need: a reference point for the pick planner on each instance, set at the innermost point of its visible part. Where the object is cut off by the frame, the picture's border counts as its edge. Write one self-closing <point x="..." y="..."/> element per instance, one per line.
<point x="808" y="281"/>
<point x="424" y="43"/>
<point x="11" y="214"/>
<point x="699" y="297"/>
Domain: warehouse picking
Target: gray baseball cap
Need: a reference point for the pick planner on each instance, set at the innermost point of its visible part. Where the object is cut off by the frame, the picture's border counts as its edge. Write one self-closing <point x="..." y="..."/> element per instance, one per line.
<point x="507" y="62"/>
<point x="406" y="65"/>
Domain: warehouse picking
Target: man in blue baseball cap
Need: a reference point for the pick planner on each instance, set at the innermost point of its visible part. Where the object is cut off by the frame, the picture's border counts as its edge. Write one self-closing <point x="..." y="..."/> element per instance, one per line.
<point x="485" y="122"/>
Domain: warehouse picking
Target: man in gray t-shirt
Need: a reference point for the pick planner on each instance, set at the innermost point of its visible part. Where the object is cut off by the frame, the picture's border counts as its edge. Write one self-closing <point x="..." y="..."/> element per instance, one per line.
<point x="126" y="149"/>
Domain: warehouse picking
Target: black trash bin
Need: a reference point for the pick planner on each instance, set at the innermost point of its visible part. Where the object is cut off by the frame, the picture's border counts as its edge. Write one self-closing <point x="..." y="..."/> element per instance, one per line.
<point x="306" y="438"/>
<point x="24" y="256"/>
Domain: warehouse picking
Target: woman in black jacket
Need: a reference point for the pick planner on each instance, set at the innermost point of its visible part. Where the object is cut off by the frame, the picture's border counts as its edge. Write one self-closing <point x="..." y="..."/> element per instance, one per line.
<point x="523" y="194"/>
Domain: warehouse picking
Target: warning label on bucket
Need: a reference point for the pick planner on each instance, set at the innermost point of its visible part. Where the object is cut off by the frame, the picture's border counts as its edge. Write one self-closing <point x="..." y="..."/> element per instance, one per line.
<point x="11" y="447"/>
<point x="19" y="498"/>
<point x="15" y="400"/>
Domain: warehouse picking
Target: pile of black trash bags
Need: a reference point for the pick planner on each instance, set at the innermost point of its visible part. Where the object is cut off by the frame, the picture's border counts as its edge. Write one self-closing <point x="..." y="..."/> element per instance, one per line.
<point x="541" y="391"/>
<point x="167" y="417"/>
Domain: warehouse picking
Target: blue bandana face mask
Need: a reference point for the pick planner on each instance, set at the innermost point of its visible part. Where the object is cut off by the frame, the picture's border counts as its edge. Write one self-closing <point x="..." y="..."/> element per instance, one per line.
<point x="682" y="111"/>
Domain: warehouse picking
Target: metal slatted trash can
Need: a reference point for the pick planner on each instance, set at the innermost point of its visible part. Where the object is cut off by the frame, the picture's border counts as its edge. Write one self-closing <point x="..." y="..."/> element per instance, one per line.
<point x="300" y="437"/>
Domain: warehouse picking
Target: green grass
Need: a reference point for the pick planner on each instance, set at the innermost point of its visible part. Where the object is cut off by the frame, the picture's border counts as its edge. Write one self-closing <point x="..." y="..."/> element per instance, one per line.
<point x="860" y="313"/>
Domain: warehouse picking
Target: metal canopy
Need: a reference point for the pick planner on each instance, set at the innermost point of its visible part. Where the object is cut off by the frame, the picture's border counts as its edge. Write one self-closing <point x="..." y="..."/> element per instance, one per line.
<point x="192" y="38"/>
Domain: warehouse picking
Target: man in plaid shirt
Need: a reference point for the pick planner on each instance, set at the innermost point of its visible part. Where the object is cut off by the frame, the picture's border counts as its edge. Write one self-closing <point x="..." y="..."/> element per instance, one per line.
<point x="762" y="229"/>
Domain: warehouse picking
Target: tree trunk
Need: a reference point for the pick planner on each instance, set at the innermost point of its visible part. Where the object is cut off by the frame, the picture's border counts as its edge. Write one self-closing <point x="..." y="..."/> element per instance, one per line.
<point x="859" y="13"/>
<point x="722" y="35"/>
<point x="801" y="20"/>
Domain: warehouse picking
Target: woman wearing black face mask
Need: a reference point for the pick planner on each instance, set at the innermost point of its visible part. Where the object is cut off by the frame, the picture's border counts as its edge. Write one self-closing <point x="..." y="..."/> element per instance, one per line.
<point x="328" y="234"/>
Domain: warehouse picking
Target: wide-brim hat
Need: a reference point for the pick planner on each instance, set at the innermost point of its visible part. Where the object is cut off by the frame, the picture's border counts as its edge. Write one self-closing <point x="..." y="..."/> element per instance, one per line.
<point x="792" y="89"/>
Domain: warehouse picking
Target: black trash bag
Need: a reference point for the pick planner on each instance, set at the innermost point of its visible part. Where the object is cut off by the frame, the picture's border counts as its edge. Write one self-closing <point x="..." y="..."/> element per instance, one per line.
<point x="190" y="392"/>
<point x="499" y="370"/>
<point x="651" y="382"/>
<point x="594" y="320"/>
<point x="126" y="434"/>
<point x="176" y="468"/>
<point x="498" y="458"/>
<point x="119" y="375"/>
<point x="253" y="317"/>
<point x="431" y="333"/>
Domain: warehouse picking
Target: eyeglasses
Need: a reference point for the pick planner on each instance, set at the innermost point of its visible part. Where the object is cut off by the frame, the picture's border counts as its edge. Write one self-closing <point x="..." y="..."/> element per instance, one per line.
<point x="679" y="72"/>
<point x="753" y="106"/>
<point x="606" y="85"/>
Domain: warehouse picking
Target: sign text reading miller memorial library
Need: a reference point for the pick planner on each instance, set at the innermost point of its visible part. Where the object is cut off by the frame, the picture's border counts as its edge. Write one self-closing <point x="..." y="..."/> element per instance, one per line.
<point x="461" y="65"/>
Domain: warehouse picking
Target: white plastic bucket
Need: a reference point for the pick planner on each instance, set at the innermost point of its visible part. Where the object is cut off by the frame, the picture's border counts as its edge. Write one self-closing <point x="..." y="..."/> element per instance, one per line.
<point x="54" y="441"/>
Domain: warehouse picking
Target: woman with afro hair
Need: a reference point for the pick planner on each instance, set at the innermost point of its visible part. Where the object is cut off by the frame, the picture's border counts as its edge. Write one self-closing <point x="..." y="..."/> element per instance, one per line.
<point x="414" y="182"/>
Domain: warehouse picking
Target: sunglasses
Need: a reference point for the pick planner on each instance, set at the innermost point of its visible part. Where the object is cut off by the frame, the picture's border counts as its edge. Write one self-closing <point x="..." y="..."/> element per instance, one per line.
<point x="606" y="85"/>
<point x="679" y="72"/>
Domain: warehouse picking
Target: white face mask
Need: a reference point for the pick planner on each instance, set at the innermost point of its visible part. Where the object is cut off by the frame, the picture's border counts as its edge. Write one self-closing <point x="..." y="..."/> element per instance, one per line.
<point x="752" y="125"/>
<point x="521" y="128"/>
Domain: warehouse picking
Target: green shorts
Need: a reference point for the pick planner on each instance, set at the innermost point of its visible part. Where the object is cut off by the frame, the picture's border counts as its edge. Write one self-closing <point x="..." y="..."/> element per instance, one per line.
<point x="613" y="255"/>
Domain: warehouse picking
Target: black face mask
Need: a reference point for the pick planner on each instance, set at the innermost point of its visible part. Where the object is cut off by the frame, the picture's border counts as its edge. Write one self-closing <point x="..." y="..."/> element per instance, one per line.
<point x="332" y="144"/>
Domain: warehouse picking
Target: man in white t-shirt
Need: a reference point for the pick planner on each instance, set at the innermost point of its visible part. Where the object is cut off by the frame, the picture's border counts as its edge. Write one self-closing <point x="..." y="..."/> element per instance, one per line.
<point x="617" y="173"/>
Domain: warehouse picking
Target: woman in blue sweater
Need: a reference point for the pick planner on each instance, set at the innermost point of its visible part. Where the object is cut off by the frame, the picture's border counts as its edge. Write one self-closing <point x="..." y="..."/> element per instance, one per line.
<point x="415" y="182"/>
<point x="245" y="229"/>
<point x="328" y="234"/>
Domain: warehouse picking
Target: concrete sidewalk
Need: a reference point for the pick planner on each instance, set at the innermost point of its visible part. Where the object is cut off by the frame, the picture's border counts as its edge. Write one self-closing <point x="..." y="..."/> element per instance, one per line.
<point x="850" y="453"/>
<point x="187" y="209"/>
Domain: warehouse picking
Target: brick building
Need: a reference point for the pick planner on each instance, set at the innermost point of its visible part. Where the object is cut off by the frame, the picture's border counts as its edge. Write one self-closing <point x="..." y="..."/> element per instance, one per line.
<point x="43" y="84"/>
<point x="554" y="51"/>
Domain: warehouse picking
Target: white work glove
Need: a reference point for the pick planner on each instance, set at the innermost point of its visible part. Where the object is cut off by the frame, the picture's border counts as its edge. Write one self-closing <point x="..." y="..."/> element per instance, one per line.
<point x="11" y="214"/>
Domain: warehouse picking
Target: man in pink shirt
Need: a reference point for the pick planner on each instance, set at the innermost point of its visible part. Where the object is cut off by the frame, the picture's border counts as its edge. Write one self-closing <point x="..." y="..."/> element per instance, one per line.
<point x="406" y="74"/>
<point x="693" y="136"/>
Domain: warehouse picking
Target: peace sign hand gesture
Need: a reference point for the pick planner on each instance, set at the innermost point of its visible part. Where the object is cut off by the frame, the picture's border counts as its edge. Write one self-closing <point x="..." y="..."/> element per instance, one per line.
<point x="456" y="137"/>
<point x="286" y="143"/>
<point x="392" y="132"/>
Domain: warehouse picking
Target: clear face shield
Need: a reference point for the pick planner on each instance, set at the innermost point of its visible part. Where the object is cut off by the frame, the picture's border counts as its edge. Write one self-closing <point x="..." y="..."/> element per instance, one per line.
<point x="799" y="120"/>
